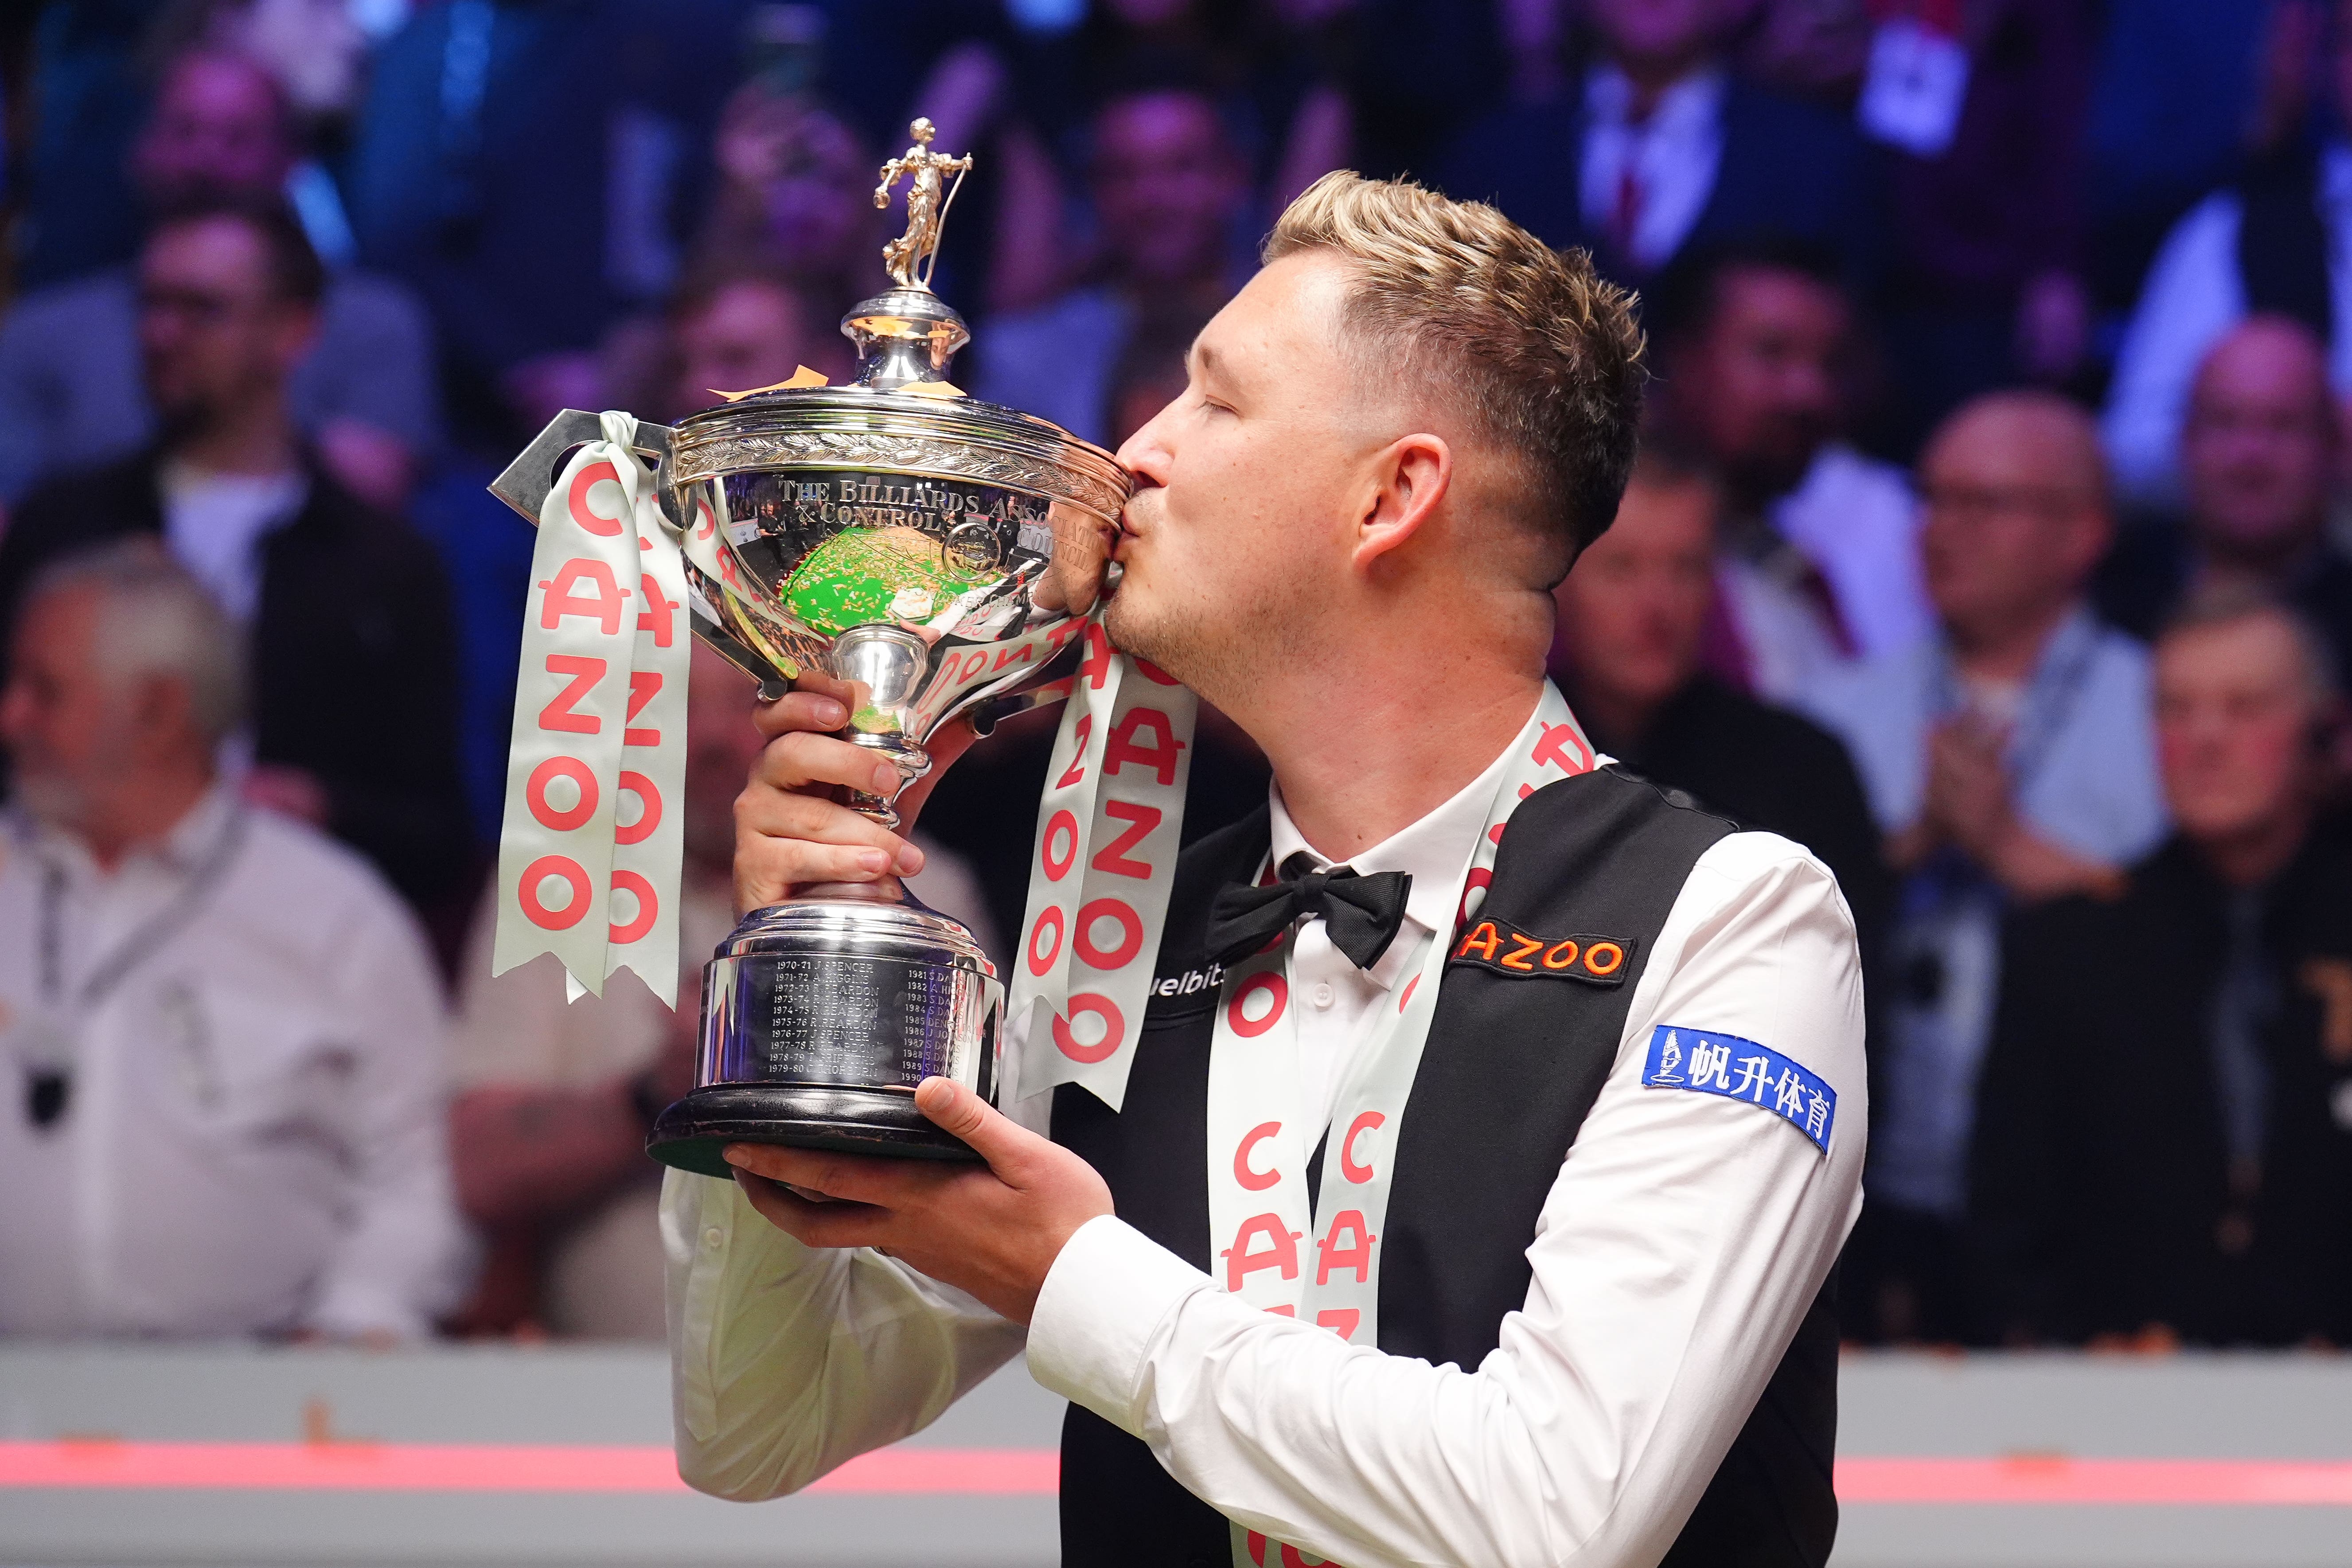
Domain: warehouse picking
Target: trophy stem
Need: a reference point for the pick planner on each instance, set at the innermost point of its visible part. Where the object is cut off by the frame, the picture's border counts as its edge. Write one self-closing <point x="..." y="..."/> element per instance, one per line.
<point x="885" y="667"/>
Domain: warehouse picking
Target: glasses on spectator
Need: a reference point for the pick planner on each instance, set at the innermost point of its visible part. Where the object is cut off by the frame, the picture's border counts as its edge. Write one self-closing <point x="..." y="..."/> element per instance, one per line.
<point x="195" y="307"/>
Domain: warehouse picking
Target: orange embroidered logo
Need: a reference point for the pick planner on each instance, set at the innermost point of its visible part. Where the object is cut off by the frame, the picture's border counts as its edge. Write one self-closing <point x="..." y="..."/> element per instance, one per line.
<point x="1503" y="949"/>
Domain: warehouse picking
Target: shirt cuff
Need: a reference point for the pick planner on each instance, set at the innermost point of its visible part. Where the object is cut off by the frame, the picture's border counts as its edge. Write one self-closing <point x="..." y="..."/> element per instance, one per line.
<point x="1100" y="1310"/>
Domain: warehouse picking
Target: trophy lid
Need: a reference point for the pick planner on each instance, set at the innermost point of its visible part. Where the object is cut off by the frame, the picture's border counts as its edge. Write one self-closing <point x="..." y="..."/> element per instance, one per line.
<point x="900" y="413"/>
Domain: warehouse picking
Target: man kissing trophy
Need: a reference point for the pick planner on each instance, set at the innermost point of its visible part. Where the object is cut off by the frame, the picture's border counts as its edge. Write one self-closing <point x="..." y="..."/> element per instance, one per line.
<point x="933" y="553"/>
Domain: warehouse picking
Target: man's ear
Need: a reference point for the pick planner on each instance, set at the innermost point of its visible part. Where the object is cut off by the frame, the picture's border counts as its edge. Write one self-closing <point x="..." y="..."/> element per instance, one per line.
<point x="1412" y="477"/>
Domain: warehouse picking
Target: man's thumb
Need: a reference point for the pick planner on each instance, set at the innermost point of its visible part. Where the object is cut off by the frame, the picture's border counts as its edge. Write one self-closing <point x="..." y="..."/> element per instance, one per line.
<point x="955" y="1109"/>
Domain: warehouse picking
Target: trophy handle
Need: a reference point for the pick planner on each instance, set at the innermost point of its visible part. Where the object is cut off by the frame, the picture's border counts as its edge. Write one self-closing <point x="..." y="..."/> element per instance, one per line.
<point x="528" y="478"/>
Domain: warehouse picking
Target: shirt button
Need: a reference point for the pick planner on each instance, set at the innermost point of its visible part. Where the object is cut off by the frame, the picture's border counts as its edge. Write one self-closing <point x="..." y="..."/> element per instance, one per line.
<point x="1321" y="995"/>
<point x="714" y="1238"/>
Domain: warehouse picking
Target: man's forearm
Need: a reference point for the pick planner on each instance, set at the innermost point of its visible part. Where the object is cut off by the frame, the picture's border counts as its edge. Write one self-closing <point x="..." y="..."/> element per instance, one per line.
<point x="527" y="1154"/>
<point x="786" y="1361"/>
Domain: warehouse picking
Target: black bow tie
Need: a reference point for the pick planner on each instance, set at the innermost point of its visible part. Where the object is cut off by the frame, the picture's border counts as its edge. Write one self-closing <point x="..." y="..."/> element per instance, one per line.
<point x="1360" y="914"/>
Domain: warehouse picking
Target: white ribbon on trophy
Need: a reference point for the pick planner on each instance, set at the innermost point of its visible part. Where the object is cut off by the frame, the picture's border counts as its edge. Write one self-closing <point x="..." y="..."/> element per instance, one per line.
<point x="1108" y="828"/>
<point x="589" y="850"/>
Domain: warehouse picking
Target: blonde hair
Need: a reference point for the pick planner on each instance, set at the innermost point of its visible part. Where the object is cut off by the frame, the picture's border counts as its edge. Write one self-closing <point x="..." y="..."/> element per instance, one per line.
<point x="1540" y="352"/>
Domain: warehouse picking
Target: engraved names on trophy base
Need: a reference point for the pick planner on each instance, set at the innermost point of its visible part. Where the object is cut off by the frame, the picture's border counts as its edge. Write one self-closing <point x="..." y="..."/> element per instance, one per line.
<point x="830" y="1019"/>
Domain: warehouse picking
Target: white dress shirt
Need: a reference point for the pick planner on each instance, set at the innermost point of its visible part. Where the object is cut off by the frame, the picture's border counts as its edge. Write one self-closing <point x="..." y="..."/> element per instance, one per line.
<point x="1667" y="161"/>
<point x="1683" y="1240"/>
<point x="255" y="1137"/>
<point x="213" y="524"/>
<point x="2192" y="298"/>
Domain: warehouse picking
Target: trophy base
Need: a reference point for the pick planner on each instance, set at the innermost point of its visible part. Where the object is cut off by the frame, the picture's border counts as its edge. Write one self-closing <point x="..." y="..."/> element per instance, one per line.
<point x="690" y="1133"/>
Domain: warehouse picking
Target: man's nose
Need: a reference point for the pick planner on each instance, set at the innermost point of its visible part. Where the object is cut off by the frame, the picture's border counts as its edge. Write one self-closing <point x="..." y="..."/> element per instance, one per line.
<point x="1145" y="453"/>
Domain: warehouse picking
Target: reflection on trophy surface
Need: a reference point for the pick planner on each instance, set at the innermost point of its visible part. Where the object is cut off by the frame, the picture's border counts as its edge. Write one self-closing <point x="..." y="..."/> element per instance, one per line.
<point x="932" y="550"/>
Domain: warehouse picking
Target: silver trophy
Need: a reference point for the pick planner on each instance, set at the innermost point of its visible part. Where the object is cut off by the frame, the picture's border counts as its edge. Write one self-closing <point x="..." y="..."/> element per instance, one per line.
<point x="937" y="553"/>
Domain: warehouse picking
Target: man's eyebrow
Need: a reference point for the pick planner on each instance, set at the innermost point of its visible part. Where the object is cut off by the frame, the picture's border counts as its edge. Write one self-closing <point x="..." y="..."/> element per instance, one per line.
<point x="1204" y="357"/>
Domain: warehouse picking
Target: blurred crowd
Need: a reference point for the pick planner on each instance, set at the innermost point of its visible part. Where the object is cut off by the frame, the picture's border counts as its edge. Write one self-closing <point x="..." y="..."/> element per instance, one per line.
<point x="1993" y="537"/>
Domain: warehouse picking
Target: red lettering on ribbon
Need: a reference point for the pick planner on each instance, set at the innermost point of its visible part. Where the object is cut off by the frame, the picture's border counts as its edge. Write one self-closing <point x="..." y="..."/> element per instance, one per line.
<point x="1257" y="1549"/>
<point x="1340" y="1320"/>
<point x="1293" y="1558"/>
<point x="559" y="714"/>
<point x="644" y="686"/>
<point x="1269" y="981"/>
<point x="1057" y="866"/>
<point x="1369" y="1122"/>
<point x="1112" y="858"/>
<point x="657" y="617"/>
<point x="705" y="523"/>
<point x="1131" y="933"/>
<point x="1281" y="1250"/>
<point x="648" y="817"/>
<point x="586" y="516"/>
<point x="538" y="871"/>
<point x="1255" y="1181"/>
<point x="1559" y="747"/>
<point x="1078" y="768"/>
<point x="1153" y="672"/>
<point x="1160" y="756"/>
<point x="1050" y="916"/>
<point x="1018" y="653"/>
<point x="1097" y="665"/>
<point x="1114" y="1028"/>
<point x="649" y="906"/>
<point x="551" y="816"/>
<point x="601" y="604"/>
<point x="1356" y="1254"/>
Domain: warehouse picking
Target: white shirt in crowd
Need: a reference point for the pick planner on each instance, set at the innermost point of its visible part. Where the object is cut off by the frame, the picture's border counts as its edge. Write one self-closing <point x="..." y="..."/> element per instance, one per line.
<point x="213" y="525"/>
<point x="1681" y="1245"/>
<point x="255" y="1136"/>
<point x="1657" y="172"/>
<point x="2192" y="298"/>
<point x="1854" y="522"/>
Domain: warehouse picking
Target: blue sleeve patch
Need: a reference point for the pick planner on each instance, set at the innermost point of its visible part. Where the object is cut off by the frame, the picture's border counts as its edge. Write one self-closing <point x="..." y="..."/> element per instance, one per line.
<point x="1742" y="1070"/>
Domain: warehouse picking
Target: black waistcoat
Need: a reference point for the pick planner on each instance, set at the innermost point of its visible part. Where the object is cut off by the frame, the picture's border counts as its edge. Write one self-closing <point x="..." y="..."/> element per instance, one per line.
<point x="1510" y="1070"/>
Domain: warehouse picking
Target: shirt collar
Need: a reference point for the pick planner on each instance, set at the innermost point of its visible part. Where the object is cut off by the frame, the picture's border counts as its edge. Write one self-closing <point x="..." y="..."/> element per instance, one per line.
<point x="1432" y="850"/>
<point x="178" y="853"/>
<point x="1692" y="101"/>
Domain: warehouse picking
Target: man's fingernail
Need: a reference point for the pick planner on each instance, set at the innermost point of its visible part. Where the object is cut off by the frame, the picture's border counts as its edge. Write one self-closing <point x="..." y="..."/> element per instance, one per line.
<point x="885" y="779"/>
<point x="935" y="1094"/>
<point x="874" y="860"/>
<point x="910" y="860"/>
<point x="828" y="712"/>
<point x="736" y="1154"/>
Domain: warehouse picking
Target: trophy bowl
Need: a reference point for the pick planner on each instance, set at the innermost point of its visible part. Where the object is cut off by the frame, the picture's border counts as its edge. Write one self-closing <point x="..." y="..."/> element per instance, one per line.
<point x="936" y="554"/>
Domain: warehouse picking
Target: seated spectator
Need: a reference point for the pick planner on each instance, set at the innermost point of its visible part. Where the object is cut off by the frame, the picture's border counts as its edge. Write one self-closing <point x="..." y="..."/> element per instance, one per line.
<point x="1632" y="615"/>
<point x="1660" y="147"/>
<point x="71" y="393"/>
<point x="2259" y="456"/>
<point x="1168" y="190"/>
<point x="795" y="192"/>
<point x="2277" y="242"/>
<point x="2160" y="1152"/>
<point x="741" y="329"/>
<point x="230" y="1016"/>
<point x="529" y="171"/>
<point x="1821" y="543"/>
<point x="354" y="712"/>
<point x="554" y="1102"/>
<point x="1985" y="197"/>
<point x="2009" y="760"/>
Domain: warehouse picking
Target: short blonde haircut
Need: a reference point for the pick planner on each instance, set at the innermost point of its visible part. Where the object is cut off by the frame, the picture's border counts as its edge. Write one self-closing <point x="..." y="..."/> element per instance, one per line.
<point x="1539" y="351"/>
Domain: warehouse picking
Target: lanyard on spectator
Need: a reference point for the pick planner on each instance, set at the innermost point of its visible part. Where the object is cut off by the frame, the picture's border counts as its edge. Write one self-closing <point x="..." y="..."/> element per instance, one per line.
<point x="2051" y="694"/>
<point x="151" y="934"/>
<point x="48" y="1063"/>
